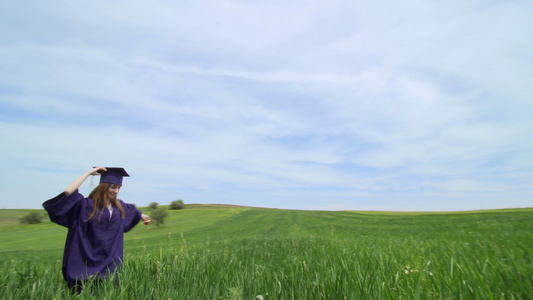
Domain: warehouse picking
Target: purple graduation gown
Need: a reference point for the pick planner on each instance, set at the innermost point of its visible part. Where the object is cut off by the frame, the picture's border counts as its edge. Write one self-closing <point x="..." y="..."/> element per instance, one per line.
<point x="93" y="247"/>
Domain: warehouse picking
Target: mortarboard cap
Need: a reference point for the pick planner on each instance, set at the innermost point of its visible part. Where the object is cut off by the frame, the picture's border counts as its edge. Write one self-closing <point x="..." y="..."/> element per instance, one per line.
<point x="113" y="175"/>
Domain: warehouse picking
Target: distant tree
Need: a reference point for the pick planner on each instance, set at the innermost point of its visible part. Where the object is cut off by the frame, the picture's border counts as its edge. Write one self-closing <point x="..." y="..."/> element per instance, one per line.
<point x="158" y="216"/>
<point x="32" y="218"/>
<point x="178" y="204"/>
<point x="153" y="205"/>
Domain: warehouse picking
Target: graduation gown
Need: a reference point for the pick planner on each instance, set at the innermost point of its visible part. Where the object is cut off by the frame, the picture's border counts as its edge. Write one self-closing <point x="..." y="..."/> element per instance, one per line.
<point x="93" y="247"/>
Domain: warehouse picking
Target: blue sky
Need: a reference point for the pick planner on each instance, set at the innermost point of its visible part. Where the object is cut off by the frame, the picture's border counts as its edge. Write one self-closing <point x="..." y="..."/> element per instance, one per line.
<point x="334" y="105"/>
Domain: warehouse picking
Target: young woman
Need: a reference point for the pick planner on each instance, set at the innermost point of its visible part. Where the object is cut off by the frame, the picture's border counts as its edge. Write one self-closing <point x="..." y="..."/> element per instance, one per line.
<point x="96" y="226"/>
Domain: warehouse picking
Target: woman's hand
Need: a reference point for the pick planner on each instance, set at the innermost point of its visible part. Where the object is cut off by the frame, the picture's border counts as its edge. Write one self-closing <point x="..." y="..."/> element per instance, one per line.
<point x="146" y="219"/>
<point x="95" y="170"/>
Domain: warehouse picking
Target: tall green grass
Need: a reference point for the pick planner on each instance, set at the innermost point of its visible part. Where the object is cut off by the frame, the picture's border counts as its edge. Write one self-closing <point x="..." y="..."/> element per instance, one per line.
<point x="245" y="253"/>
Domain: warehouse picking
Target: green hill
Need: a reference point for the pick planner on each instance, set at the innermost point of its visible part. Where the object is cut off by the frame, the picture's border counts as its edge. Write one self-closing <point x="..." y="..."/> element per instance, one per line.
<point x="204" y="224"/>
<point x="217" y="250"/>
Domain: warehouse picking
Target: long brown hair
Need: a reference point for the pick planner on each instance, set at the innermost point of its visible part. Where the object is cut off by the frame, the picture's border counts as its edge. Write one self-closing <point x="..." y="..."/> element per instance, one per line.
<point x="99" y="196"/>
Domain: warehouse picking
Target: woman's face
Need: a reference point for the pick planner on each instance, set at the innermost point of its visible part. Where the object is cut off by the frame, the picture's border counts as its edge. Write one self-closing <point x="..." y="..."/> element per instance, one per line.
<point x="112" y="191"/>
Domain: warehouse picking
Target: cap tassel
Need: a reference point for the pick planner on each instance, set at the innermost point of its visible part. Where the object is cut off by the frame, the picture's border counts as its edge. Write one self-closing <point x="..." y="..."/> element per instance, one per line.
<point x="91" y="183"/>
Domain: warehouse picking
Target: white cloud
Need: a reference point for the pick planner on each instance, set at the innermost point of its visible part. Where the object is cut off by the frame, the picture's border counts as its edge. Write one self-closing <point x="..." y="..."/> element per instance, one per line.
<point x="272" y="103"/>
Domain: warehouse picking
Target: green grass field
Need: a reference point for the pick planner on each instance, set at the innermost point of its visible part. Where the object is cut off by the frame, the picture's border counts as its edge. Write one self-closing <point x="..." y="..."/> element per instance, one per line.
<point x="219" y="252"/>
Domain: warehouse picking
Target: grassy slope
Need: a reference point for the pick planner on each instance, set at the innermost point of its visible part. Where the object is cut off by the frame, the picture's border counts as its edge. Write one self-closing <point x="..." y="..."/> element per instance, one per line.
<point x="201" y="225"/>
<point x="287" y="254"/>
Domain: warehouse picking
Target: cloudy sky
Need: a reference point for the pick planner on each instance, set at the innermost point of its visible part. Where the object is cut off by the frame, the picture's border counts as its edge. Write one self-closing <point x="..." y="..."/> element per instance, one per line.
<point x="335" y="105"/>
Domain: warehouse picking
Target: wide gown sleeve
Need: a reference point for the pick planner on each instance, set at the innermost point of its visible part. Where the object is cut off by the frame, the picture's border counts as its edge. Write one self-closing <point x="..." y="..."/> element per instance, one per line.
<point x="64" y="210"/>
<point x="132" y="216"/>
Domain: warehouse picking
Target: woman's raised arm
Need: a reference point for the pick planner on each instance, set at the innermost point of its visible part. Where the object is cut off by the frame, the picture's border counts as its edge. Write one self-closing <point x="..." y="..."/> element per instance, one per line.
<point x="78" y="182"/>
